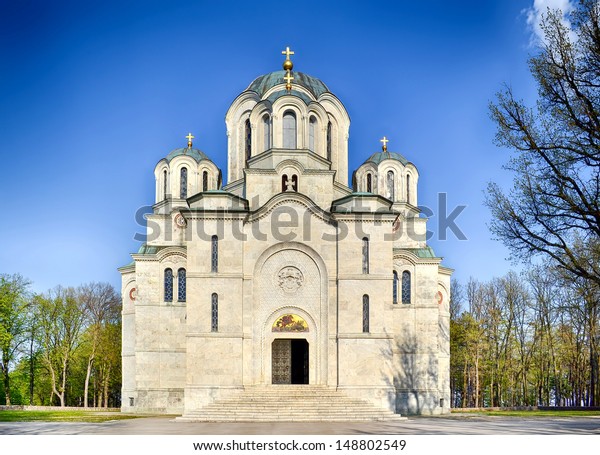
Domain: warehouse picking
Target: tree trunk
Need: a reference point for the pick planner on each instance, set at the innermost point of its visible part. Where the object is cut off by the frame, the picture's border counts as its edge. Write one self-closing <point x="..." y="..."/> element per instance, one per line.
<point x="31" y="371"/>
<point x="87" y="381"/>
<point x="6" y="378"/>
<point x="106" y="382"/>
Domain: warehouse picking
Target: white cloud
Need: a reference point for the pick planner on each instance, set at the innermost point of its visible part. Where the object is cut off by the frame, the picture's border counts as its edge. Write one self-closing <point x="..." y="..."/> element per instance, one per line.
<point x="539" y="8"/>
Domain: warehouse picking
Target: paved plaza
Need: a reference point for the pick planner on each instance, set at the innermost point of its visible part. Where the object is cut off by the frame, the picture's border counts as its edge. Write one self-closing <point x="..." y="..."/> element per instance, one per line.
<point x="454" y="425"/>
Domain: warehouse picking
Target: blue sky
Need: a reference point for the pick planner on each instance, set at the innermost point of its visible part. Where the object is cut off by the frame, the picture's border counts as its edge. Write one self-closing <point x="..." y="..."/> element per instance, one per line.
<point x="95" y="93"/>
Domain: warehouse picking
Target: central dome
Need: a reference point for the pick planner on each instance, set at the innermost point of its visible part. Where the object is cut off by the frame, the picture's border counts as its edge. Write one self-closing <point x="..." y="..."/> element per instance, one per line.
<point x="264" y="83"/>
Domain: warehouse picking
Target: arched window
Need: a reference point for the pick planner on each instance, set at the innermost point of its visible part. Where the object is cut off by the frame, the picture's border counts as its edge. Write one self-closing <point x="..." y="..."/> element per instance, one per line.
<point x="408" y="188"/>
<point x="406" y="286"/>
<point x="390" y="185"/>
<point x="312" y="132"/>
<point x="369" y="183"/>
<point x="365" y="255"/>
<point x="284" y="182"/>
<point x="205" y="181"/>
<point x="289" y="130"/>
<point x="329" y="141"/>
<point x="214" y="313"/>
<point x="395" y="291"/>
<point x="295" y="182"/>
<point x="365" y="315"/>
<point x="183" y="183"/>
<point x="214" y="254"/>
<point x="165" y="184"/>
<point x="267" y="132"/>
<point x="168" y="285"/>
<point x="248" y="139"/>
<point x="181" y="285"/>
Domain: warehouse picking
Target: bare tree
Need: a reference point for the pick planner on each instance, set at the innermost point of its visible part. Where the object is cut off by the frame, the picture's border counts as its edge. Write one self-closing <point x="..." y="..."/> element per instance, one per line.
<point x="553" y="209"/>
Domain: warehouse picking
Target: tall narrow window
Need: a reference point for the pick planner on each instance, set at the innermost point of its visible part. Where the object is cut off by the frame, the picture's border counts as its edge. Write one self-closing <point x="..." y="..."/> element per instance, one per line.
<point x="365" y="255"/>
<point x="312" y="131"/>
<point x="214" y="254"/>
<point x="408" y="188"/>
<point x="369" y="183"/>
<point x="329" y="141"/>
<point x="181" y="285"/>
<point x="165" y="184"/>
<point x="395" y="290"/>
<point x="365" y="315"/>
<point x="183" y="183"/>
<point x="205" y="181"/>
<point x="267" y="132"/>
<point x="214" y="313"/>
<point x="406" y="287"/>
<point x="390" y="185"/>
<point x="295" y="182"/>
<point x="289" y="130"/>
<point x="168" y="285"/>
<point x="248" y="139"/>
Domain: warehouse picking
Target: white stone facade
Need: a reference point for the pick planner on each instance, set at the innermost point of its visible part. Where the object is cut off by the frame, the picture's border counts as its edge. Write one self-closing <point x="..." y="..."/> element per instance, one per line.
<point x="205" y="297"/>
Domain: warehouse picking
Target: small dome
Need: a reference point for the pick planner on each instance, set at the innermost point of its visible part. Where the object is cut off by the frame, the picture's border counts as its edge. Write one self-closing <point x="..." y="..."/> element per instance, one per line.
<point x="263" y="83"/>
<point x="378" y="157"/>
<point x="194" y="153"/>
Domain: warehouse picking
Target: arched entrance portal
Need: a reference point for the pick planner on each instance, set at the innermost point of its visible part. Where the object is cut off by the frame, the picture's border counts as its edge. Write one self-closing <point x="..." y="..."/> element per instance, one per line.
<point x="290" y="360"/>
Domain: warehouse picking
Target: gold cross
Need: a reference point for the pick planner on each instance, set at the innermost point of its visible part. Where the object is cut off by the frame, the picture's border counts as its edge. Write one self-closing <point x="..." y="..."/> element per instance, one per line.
<point x="385" y="140"/>
<point x="287" y="53"/>
<point x="288" y="78"/>
<point x="189" y="137"/>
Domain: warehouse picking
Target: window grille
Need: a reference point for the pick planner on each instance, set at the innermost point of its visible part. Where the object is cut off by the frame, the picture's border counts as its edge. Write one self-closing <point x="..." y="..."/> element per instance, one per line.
<point x="405" y="287"/>
<point x="181" y="285"/>
<point x="214" y="267"/>
<point x="365" y="255"/>
<point x="214" y="319"/>
<point x="168" y="285"/>
<point x="248" y="143"/>
<point x="365" y="317"/>
<point x="183" y="183"/>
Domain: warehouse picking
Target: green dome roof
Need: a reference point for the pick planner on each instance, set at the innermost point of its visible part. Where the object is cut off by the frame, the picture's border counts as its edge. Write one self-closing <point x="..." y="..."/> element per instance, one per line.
<point x="194" y="153"/>
<point x="378" y="157"/>
<point x="263" y="83"/>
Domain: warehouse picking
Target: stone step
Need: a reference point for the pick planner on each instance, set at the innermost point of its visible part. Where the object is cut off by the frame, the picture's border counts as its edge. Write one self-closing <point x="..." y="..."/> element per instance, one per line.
<point x="310" y="404"/>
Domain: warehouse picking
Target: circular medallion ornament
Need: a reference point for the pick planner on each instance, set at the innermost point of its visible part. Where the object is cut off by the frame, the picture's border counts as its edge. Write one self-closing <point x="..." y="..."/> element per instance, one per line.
<point x="439" y="297"/>
<point x="133" y="294"/>
<point x="180" y="221"/>
<point x="290" y="279"/>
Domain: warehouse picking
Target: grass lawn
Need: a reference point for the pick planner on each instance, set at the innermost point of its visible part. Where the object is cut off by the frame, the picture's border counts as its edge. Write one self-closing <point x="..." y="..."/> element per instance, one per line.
<point x="62" y="416"/>
<point x="528" y="414"/>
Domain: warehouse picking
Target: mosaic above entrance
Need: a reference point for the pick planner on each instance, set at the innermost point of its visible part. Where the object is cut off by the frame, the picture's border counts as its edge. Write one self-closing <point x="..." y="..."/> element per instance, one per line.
<point x="290" y="323"/>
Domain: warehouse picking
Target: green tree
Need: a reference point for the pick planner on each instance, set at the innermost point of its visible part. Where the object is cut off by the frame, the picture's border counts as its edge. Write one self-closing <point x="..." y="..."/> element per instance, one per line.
<point x="14" y="300"/>
<point x="101" y="305"/>
<point x="60" y="320"/>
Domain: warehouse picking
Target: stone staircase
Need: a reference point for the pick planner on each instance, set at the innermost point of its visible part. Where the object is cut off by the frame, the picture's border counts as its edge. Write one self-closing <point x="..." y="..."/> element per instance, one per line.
<point x="290" y="403"/>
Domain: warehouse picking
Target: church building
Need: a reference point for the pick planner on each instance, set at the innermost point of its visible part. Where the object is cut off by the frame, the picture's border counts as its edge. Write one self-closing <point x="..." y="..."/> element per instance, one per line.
<point x="289" y="280"/>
